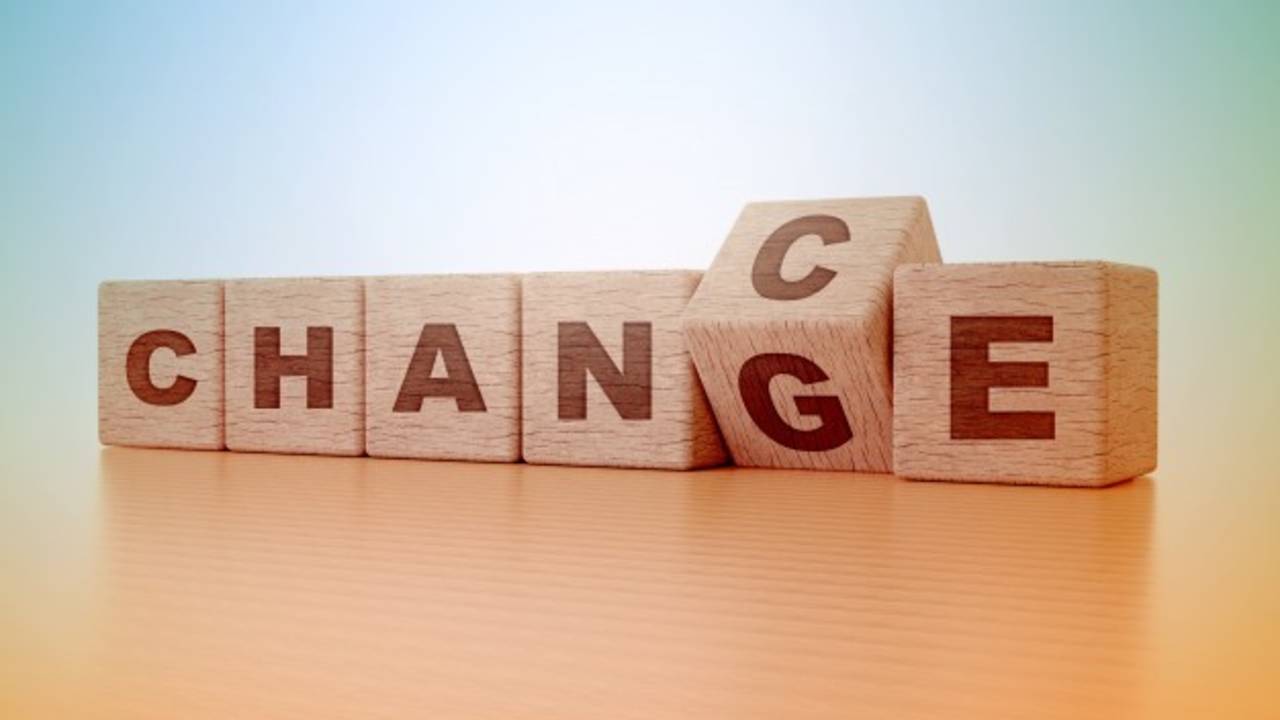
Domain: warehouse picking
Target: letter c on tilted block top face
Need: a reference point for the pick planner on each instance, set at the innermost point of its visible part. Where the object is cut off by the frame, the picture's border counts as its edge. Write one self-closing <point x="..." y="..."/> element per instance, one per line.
<point x="766" y="271"/>
<point x="799" y="300"/>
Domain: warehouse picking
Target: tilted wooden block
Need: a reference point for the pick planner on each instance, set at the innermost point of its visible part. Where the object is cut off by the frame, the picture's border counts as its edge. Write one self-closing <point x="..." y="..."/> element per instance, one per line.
<point x="160" y="364"/>
<point x="442" y="356"/>
<point x="1038" y="373"/>
<point x="790" y="329"/>
<point x="606" y="376"/>
<point x="295" y="365"/>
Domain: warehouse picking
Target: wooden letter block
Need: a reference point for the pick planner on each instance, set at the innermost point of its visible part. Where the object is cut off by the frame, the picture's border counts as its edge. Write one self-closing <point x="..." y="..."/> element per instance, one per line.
<point x="160" y="364"/>
<point x="1039" y="373"/>
<point x="443" y="367"/>
<point x="790" y="330"/>
<point x="295" y="365"/>
<point x="606" y="376"/>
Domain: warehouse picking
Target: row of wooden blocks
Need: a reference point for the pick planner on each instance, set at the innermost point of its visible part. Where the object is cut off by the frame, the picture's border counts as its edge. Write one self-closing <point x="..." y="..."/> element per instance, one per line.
<point x="826" y="334"/>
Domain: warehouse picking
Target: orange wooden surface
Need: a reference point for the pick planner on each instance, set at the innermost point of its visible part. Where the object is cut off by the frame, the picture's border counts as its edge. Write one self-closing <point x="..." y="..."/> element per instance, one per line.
<point x="170" y="584"/>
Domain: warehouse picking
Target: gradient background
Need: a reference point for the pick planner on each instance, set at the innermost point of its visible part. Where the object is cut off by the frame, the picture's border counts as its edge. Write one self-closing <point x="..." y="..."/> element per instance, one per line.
<point x="169" y="140"/>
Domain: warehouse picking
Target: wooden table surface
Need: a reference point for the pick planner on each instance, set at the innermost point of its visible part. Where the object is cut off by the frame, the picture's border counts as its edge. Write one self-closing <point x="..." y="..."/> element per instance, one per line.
<point x="164" y="584"/>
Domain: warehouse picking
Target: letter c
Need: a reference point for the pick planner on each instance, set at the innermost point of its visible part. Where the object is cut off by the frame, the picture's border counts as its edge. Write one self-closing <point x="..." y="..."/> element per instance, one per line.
<point x="766" y="271"/>
<point x="137" y="367"/>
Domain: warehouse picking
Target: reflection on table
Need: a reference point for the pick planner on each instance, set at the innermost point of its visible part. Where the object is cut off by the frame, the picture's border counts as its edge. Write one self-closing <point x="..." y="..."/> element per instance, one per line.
<point x="247" y="585"/>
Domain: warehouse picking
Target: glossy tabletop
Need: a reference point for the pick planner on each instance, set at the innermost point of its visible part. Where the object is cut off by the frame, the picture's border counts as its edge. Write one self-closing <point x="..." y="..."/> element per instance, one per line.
<point x="168" y="584"/>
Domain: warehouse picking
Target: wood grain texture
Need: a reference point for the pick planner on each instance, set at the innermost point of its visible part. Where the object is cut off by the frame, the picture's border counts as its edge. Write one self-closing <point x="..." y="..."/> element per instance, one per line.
<point x="679" y="431"/>
<point x="127" y="311"/>
<point x="843" y="327"/>
<point x="1132" y="370"/>
<point x="294" y="306"/>
<point x="1101" y="372"/>
<point x="484" y="312"/>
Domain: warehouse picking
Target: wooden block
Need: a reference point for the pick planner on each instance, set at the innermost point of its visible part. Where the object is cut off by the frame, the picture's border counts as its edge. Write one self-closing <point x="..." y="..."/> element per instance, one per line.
<point x="606" y="376"/>
<point x="295" y="365"/>
<point x="790" y="329"/>
<point x="443" y="367"/>
<point x="160" y="364"/>
<point x="1038" y="373"/>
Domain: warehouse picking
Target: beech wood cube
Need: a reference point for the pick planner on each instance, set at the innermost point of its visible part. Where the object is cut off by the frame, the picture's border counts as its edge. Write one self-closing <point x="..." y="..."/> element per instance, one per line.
<point x="295" y="365"/>
<point x="606" y="376"/>
<point x="791" y="329"/>
<point x="1038" y="373"/>
<point x="160" y="364"/>
<point x="443" y="367"/>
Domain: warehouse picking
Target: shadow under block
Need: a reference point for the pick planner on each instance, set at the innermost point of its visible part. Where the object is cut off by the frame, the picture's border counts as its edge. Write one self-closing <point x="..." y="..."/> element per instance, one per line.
<point x="295" y="365"/>
<point x="443" y="367"/>
<point x="160" y="364"/>
<point x="1039" y="373"/>
<point x="606" y="376"/>
<point x="790" y="329"/>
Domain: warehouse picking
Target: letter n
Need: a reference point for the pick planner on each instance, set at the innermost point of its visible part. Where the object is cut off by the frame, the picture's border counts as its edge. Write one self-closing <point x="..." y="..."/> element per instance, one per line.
<point x="630" y="389"/>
